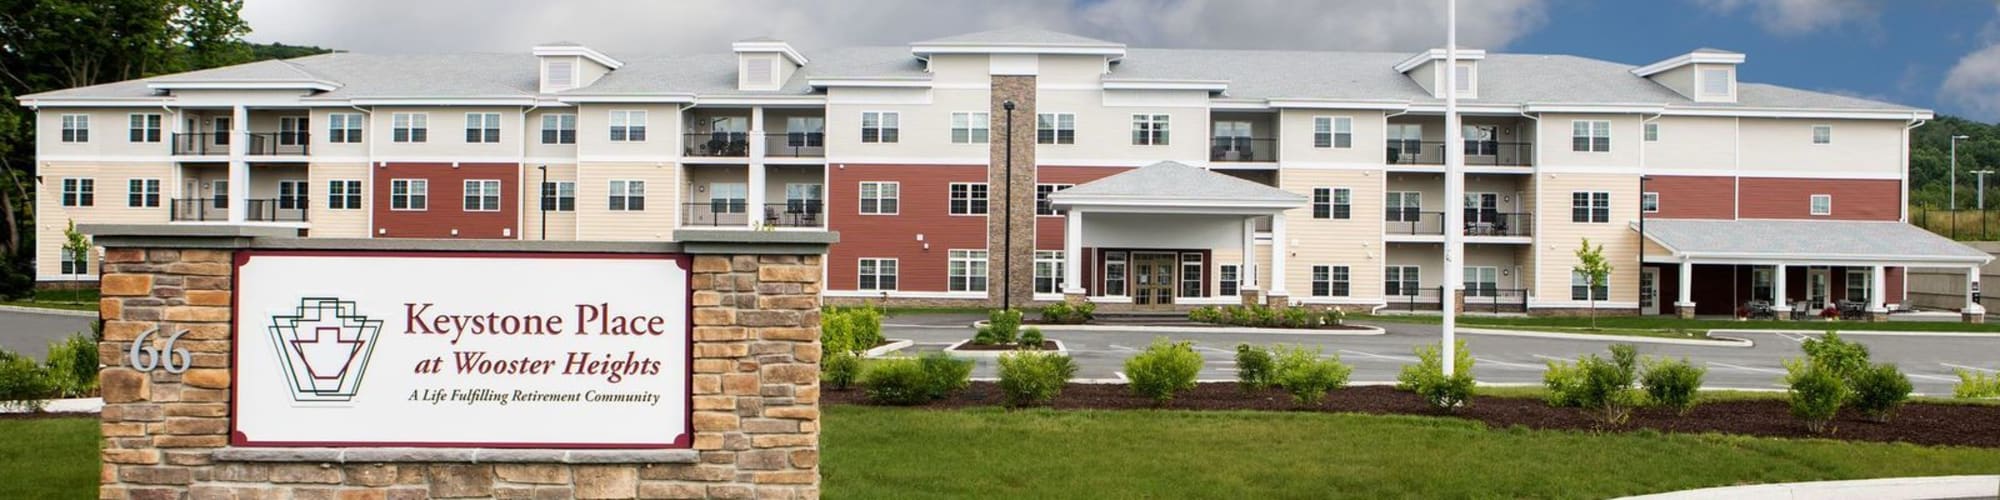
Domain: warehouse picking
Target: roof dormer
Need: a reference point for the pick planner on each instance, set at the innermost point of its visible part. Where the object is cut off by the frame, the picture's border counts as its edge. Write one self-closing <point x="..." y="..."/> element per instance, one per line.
<point x="570" y="65"/>
<point x="1424" y="68"/>
<point x="765" y="63"/>
<point x="1705" y="75"/>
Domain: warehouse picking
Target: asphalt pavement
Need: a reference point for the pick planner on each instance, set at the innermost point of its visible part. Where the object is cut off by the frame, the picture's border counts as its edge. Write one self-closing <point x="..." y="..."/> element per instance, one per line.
<point x="29" y="332"/>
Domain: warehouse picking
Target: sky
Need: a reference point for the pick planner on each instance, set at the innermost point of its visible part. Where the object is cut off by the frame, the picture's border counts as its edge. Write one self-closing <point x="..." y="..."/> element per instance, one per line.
<point x="1937" y="54"/>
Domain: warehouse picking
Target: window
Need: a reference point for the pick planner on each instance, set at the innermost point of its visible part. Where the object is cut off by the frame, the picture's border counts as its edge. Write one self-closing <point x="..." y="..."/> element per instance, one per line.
<point x="1715" y="82"/>
<point x="968" y="198"/>
<point x="292" y="195"/>
<point x="1333" y="203"/>
<point x="219" y="193"/>
<point x="1406" y="142"/>
<point x="1048" y="271"/>
<point x="76" y="128"/>
<point x="804" y="198"/>
<point x="1333" y="132"/>
<point x="343" y="128"/>
<point x="1822" y="134"/>
<point x="482" y="128"/>
<point x="562" y="74"/>
<point x="293" y="130"/>
<point x="1114" y="274"/>
<point x="1463" y="78"/>
<point x="805" y="132"/>
<point x="409" y="194"/>
<point x="1652" y="132"/>
<point x="968" y="271"/>
<point x="1055" y="128"/>
<point x="1859" y="284"/>
<point x="1590" y="207"/>
<point x="343" y="195"/>
<point x="1580" y="288"/>
<point x="628" y="126"/>
<point x="1232" y="141"/>
<point x="1191" y="276"/>
<point x="222" y="131"/>
<point x="1042" y="192"/>
<point x="482" y="195"/>
<point x="559" y="196"/>
<point x="142" y="193"/>
<point x="145" y="128"/>
<point x="728" y="197"/>
<point x="1400" y="281"/>
<point x="1149" y="130"/>
<point x="409" y="127"/>
<point x="558" y="128"/>
<point x="79" y="192"/>
<point x="880" y="126"/>
<point x="1482" y="281"/>
<point x="75" y="263"/>
<point x="628" y="196"/>
<point x="879" y="198"/>
<point x="1480" y="140"/>
<point x="1590" y="136"/>
<point x="1227" y="280"/>
<point x="1403" y="206"/>
<point x="1822" y="204"/>
<point x="1330" y="281"/>
<point x="876" y="274"/>
<point x="969" y="128"/>
<point x="1760" y="283"/>
<point x="1649" y="202"/>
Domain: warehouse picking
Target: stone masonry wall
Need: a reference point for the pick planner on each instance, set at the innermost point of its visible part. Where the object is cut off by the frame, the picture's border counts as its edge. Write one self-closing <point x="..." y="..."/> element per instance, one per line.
<point x="1021" y="90"/>
<point x="755" y="396"/>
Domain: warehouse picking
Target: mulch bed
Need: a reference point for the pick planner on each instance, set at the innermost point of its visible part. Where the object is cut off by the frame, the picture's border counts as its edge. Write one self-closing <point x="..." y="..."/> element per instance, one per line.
<point x="1924" y="424"/>
<point x="1047" y="345"/>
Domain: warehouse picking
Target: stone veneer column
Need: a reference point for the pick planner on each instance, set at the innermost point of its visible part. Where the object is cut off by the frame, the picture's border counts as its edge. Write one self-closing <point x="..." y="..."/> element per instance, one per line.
<point x="1021" y="90"/>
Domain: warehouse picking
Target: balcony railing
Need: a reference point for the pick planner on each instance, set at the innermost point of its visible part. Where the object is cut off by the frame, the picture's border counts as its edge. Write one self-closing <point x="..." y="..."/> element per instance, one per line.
<point x="201" y="144"/>
<point x="795" y="145"/>
<point x="258" y="143"/>
<point x="1494" y="223"/>
<point x="280" y="143"/>
<point x="1486" y="297"/>
<point x="1412" y="222"/>
<point x="1477" y="153"/>
<point x="718" y="144"/>
<point x="1419" y="299"/>
<point x="256" y="210"/>
<point x="1242" y="149"/>
<point x="715" y="213"/>
<point x="795" y="213"/>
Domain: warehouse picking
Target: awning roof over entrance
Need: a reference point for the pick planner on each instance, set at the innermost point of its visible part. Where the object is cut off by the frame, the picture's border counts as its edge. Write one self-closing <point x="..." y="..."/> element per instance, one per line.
<point x="1170" y="187"/>
<point x="1807" y="242"/>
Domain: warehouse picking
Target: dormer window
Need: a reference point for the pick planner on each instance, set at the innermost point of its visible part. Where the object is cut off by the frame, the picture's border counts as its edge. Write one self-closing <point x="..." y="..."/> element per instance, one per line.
<point x="1465" y="83"/>
<point x="562" y="74"/>
<point x="1715" y="82"/>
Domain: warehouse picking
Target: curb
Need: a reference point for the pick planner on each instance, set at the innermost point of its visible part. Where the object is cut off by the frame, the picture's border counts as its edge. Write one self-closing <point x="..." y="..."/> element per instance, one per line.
<point x="1882" y="333"/>
<point x="48" y="310"/>
<point x="884" y="349"/>
<point x="77" y="405"/>
<point x="1890" y="488"/>
<point x="954" y="351"/>
<point x="1370" y="330"/>
<point x="1721" y="342"/>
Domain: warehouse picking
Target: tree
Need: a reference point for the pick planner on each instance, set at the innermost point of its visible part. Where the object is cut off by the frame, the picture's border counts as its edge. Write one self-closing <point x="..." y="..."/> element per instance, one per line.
<point x="77" y="248"/>
<point x="1595" y="270"/>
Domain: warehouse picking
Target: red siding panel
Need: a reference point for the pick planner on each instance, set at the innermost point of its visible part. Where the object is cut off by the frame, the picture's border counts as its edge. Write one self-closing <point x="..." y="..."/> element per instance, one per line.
<point x="1693" y="197"/>
<point x="923" y="209"/>
<point x="1853" y="199"/>
<point x="446" y="204"/>
<point x="1049" y="230"/>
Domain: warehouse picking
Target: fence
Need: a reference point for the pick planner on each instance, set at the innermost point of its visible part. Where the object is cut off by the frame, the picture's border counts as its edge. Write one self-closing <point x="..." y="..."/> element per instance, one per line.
<point x="1962" y="225"/>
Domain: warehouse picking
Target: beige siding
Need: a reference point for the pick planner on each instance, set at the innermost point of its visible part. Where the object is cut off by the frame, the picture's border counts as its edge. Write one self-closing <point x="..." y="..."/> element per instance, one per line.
<point x="1104" y="127"/>
<point x="1296" y="141"/>
<point x="351" y="151"/>
<point x="924" y="129"/>
<point x="1069" y="70"/>
<point x="663" y="132"/>
<point x="1558" y="238"/>
<point x="596" y="222"/>
<point x="538" y="151"/>
<point x="1679" y="79"/>
<point x="446" y="134"/>
<point x="1512" y="189"/>
<point x="1354" y="242"/>
<point x="109" y="134"/>
<point x="343" y="223"/>
<point x="1693" y="145"/>
<point x="111" y="185"/>
<point x="1429" y="259"/>
<point x="562" y="225"/>
<point x="1860" y="147"/>
<point x="1557" y="151"/>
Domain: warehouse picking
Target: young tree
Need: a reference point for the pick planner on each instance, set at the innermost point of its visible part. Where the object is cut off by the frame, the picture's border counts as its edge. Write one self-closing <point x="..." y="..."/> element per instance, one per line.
<point x="1595" y="270"/>
<point x="78" y="250"/>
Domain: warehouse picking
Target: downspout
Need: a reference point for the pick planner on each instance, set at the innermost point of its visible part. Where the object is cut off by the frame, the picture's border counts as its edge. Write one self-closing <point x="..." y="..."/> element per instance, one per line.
<point x="370" y="111"/>
<point x="1535" y="282"/>
<point x="1904" y="173"/>
<point x="1639" y="284"/>
<point x="1381" y="233"/>
<point x="171" y="142"/>
<point x="521" y="177"/>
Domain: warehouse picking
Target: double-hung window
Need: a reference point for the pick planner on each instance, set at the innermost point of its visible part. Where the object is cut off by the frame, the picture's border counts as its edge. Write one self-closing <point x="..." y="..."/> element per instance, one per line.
<point x="1149" y="130"/>
<point x="628" y="196"/>
<point x="1403" y="206"/>
<point x="409" y="194"/>
<point x="75" y="262"/>
<point x="1333" y="132"/>
<point x="142" y="193"/>
<point x="805" y="132"/>
<point x="1860" y="284"/>
<point x="628" y="126"/>
<point x="1331" y="281"/>
<point x="293" y="130"/>
<point x="968" y="198"/>
<point x="1761" y="283"/>
<point x="1400" y="281"/>
<point x="1042" y="192"/>
<point x="970" y="128"/>
<point x="879" y="198"/>
<point x="1333" y="203"/>
<point x="79" y="192"/>
<point x="410" y="127"/>
<point x="559" y="128"/>
<point x="482" y="195"/>
<point x="222" y="131"/>
<point x="1482" y="281"/>
<point x="876" y="275"/>
<point x="1114" y="273"/>
<point x="1055" y="128"/>
<point x="293" y="195"/>
<point x="967" y="271"/>
<point x="1580" y="288"/>
<point x="343" y="195"/>
<point x="76" y="128"/>
<point x="482" y="128"/>
<point x="145" y="128"/>
<point x="1590" y="207"/>
<point x="728" y="197"/>
<point x="1652" y="132"/>
<point x="1228" y="280"/>
<point x="1192" y="271"/>
<point x="559" y="196"/>
<point x="1406" y="142"/>
<point x="343" y="128"/>
<point x="1048" y="271"/>
<point x="880" y="126"/>
<point x="1592" y="136"/>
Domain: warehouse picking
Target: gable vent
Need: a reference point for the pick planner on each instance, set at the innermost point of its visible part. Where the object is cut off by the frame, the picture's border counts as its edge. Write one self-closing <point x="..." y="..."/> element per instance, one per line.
<point x="762" y="72"/>
<point x="562" y="74"/>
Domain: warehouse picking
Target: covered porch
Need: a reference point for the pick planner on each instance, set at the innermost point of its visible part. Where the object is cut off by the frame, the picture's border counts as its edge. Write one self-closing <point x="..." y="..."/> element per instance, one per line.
<point x="1170" y="235"/>
<point x="1793" y="269"/>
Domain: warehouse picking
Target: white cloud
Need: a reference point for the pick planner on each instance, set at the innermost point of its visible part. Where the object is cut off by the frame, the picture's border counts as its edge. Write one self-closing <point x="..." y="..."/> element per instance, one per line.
<point x="707" y="25"/>
<point x="1974" y="84"/>
<point x="1798" y="17"/>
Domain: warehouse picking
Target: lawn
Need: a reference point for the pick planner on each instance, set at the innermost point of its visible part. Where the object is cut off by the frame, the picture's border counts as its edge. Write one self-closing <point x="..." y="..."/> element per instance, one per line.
<point x="48" y="458"/>
<point x="1676" y="327"/>
<point x="74" y="300"/>
<point x="902" y="453"/>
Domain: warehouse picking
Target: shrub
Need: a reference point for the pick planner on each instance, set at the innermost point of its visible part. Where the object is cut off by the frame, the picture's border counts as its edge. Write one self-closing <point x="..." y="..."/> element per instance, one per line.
<point x="1604" y="387"/>
<point x="1083" y="313"/>
<point x="1253" y="367"/>
<point x="1298" y="317"/>
<point x="850" y="329"/>
<point x="1333" y="317"/>
<point x="1067" y="314"/>
<point x="1205" y="314"/>
<point x="839" y="370"/>
<point x="24" y="384"/>
<point x="1003" y="326"/>
<point x="1815" y="392"/>
<point x="1033" y="378"/>
<point x="944" y="374"/>
<point x="1879" y="390"/>
<point x="1672" y="383"/>
<point x="1564" y="382"/>
<point x="1031" y="338"/>
<point x="1427" y="379"/>
<point x="909" y="381"/>
<point x="1055" y="313"/>
<point x="1265" y="316"/>
<point x="1163" y="369"/>
<point x="1307" y="376"/>
<point x="1846" y="359"/>
<point x="72" y="366"/>
<point x="1973" y="384"/>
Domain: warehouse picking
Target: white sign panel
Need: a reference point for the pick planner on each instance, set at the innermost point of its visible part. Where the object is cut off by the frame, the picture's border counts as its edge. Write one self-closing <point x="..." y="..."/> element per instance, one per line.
<point x="462" y="350"/>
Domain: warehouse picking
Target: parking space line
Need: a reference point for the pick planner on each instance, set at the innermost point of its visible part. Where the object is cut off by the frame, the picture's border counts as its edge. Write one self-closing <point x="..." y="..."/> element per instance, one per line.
<point x="1973" y="368"/>
<point x="1121" y="376"/>
<point x="1504" y="363"/>
<point x="1746" y="368"/>
<point x="1931" y="377"/>
<point x="1405" y="359"/>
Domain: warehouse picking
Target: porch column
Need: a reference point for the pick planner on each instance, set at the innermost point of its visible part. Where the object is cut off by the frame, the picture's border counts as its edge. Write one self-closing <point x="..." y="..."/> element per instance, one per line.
<point x="1778" y="299"/>
<point x="1684" y="307"/>
<point x="755" y="197"/>
<point x="239" y="167"/>
<point x="1246" y="273"/>
<point x="1878" y="291"/>
<point x="1277" y="293"/>
<point x="1974" y="312"/>
<point x="1073" y="254"/>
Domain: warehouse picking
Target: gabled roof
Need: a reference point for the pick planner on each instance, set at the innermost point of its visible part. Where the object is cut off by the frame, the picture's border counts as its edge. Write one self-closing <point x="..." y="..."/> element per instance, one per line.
<point x="1176" y="187"/>
<point x="1020" y="37"/>
<point x="1805" y="241"/>
<point x="272" y="74"/>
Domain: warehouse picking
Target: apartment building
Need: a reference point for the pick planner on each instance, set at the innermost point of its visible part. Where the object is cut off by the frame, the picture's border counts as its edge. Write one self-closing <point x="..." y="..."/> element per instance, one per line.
<point x="1136" y="178"/>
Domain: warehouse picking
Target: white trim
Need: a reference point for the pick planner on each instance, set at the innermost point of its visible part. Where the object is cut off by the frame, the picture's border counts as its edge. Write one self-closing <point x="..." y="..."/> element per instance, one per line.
<point x="640" y="158"/>
<point x="1603" y="108"/>
<point x="840" y="162"/>
<point x="1463" y="54"/>
<point x="1581" y="304"/>
<point x="898" y="275"/>
<point x="440" y="159"/>
<point x="774" y="100"/>
<point x="1345" y="301"/>
<point x="925" y="50"/>
<point x="878" y="198"/>
<point x="578" y="51"/>
<point x="670" y="98"/>
<point x="161" y="159"/>
<point x="433" y="101"/>
<point x="867" y="82"/>
<point x="1167" y="84"/>
<point x="318" y="85"/>
<point x="1824" y="113"/>
<point x="1812" y="205"/>
<point x="1686" y="59"/>
<point x="1772" y="174"/>
<point x="1303" y="103"/>
<point x="968" y="199"/>
<point x="95" y="102"/>
<point x="768" y="47"/>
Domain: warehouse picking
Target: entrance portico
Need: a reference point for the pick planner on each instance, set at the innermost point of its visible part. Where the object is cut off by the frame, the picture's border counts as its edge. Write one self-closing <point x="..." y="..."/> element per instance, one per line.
<point x="1171" y="213"/>
<point x="1789" y="268"/>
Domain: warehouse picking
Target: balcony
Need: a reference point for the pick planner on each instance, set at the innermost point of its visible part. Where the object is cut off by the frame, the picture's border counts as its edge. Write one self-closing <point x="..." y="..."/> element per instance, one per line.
<point x="1492" y="223"/>
<point x="1242" y="149"/>
<point x="257" y="210"/>
<point x="733" y="213"/>
<point x="1477" y="153"/>
<point x="1413" y="223"/>
<point x="1488" y="298"/>
<point x="1420" y="299"/>
<point x="795" y="145"/>
<point x="718" y="144"/>
<point x="260" y="143"/>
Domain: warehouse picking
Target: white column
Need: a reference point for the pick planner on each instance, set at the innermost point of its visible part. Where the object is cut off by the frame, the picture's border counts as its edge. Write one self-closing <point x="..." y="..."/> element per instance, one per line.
<point x="1878" y="289"/>
<point x="1278" y="251"/>
<point x="239" y="166"/>
<point x="1778" y="299"/>
<point x="1686" y="298"/>
<point x="1073" y="253"/>
<point x="1972" y="305"/>
<point x="755" y="198"/>
<point x="1246" y="272"/>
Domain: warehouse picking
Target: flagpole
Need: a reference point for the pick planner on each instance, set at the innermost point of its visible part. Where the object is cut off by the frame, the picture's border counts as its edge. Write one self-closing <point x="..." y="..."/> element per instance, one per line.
<point x="1454" y="195"/>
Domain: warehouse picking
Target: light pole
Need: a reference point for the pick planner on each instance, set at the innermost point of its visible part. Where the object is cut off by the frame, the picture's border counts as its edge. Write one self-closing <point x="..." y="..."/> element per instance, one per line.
<point x="1981" y="196"/>
<point x="1454" y="196"/>
<point x="1642" y="241"/>
<point x="1007" y="224"/>
<point x="546" y="199"/>
<point x="1954" y="170"/>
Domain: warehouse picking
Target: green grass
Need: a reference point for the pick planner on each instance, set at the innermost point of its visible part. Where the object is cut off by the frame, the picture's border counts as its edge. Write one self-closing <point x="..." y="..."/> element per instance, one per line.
<point x="1671" y="326"/>
<point x="49" y="458"/>
<point x="903" y="453"/>
<point x="1716" y="396"/>
<point x="74" y="300"/>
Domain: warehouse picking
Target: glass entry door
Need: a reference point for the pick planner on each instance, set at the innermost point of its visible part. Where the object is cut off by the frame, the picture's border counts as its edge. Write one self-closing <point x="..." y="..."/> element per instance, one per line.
<point x="1153" y="280"/>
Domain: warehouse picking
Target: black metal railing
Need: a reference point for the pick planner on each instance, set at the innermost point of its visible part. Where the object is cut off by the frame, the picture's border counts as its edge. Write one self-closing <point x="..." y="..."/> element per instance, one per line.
<point x="1412" y="222"/>
<point x="1242" y="149"/>
<point x="1419" y="299"/>
<point x="718" y="144"/>
<point x="715" y="213"/>
<point x="1477" y="153"/>
<point x="280" y="143"/>
<point x="201" y="144"/>
<point x="795" y="144"/>
<point x="795" y="213"/>
<point x="256" y="210"/>
<point x="1496" y="223"/>
<point x="256" y="143"/>
<point x="1480" y="297"/>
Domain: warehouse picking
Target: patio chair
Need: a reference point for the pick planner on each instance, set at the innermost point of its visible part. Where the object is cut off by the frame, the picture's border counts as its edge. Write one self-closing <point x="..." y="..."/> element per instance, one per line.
<point x="1801" y="310"/>
<point x="1761" y="309"/>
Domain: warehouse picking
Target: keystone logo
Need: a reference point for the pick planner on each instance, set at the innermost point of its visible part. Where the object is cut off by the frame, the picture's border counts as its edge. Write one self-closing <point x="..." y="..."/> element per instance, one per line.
<point x="324" y="348"/>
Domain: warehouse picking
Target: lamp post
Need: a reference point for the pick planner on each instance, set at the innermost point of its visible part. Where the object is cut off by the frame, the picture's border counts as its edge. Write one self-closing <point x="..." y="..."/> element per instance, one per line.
<point x="1454" y="196"/>
<point x="1642" y="240"/>
<point x="545" y="200"/>
<point x="1981" y="195"/>
<point x="1007" y="223"/>
<point x="1954" y="171"/>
